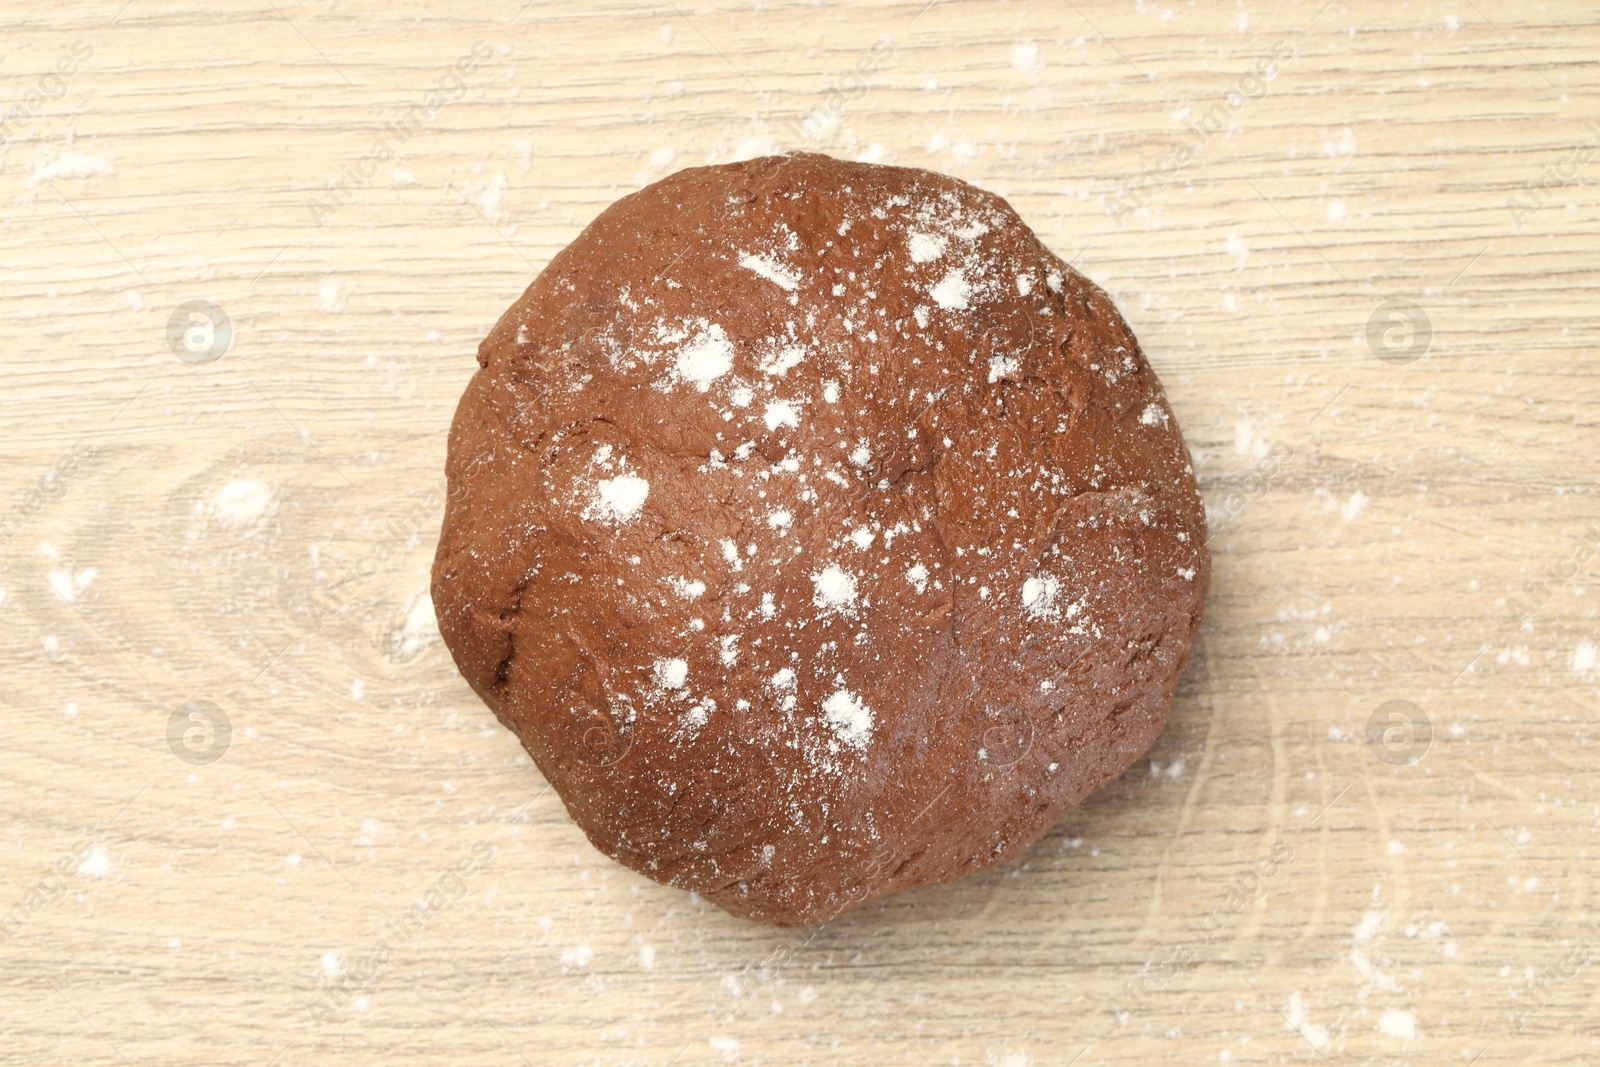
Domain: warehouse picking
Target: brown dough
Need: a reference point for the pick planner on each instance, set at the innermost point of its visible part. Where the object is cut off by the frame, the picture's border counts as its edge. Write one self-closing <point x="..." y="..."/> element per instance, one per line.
<point x="820" y="534"/>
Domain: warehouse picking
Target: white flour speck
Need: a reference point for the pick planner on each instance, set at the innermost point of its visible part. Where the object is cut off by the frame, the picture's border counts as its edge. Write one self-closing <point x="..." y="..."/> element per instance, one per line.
<point x="773" y="271"/>
<point x="926" y="247"/>
<point x="1401" y="1025"/>
<point x="952" y="291"/>
<point x="1002" y="367"/>
<point x="69" y="585"/>
<point x="620" y="498"/>
<point x="788" y="357"/>
<point x="707" y="357"/>
<point x="418" y="630"/>
<point x="1153" y="415"/>
<point x="1367" y="928"/>
<point x="850" y="720"/>
<point x="72" y="165"/>
<point x="1298" y="1019"/>
<point x="242" y="502"/>
<point x="98" y="865"/>
<point x="671" y="673"/>
<point x="688" y="589"/>
<point x="1039" y="595"/>
<point x="918" y="576"/>
<point x="836" y="589"/>
<point x="781" y="413"/>
<point x="330" y="295"/>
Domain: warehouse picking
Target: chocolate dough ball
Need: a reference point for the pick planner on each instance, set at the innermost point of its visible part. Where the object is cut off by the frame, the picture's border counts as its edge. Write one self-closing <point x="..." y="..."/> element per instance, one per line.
<point x="819" y="532"/>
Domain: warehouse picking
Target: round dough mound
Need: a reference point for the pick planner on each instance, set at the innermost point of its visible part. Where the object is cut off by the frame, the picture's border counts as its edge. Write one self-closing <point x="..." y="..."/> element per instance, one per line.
<point x="819" y="533"/>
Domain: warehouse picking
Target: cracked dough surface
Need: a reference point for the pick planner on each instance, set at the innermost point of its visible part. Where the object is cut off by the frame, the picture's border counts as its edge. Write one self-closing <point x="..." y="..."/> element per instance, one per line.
<point x="820" y="534"/>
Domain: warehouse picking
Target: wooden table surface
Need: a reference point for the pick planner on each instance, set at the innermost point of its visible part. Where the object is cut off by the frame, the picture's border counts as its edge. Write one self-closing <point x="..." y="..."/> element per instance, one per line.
<point x="1359" y="244"/>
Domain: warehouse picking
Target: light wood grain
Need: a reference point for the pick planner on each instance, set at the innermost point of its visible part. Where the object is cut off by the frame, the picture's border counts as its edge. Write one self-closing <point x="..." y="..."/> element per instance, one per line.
<point x="1375" y="563"/>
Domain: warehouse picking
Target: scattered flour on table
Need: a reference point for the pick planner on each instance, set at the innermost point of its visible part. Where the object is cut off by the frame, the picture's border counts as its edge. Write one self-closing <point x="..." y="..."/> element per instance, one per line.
<point x="242" y="502"/>
<point x="1025" y="58"/>
<point x="1401" y="1025"/>
<point x="1354" y="506"/>
<point x="69" y="584"/>
<point x="98" y="865"/>
<point x="417" y="630"/>
<point x="72" y="165"/>
<point x="1298" y="1019"/>
<point x="579" y="957"/>
<point x="330" y="295"/>
<point x="1011" y="1058"/>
